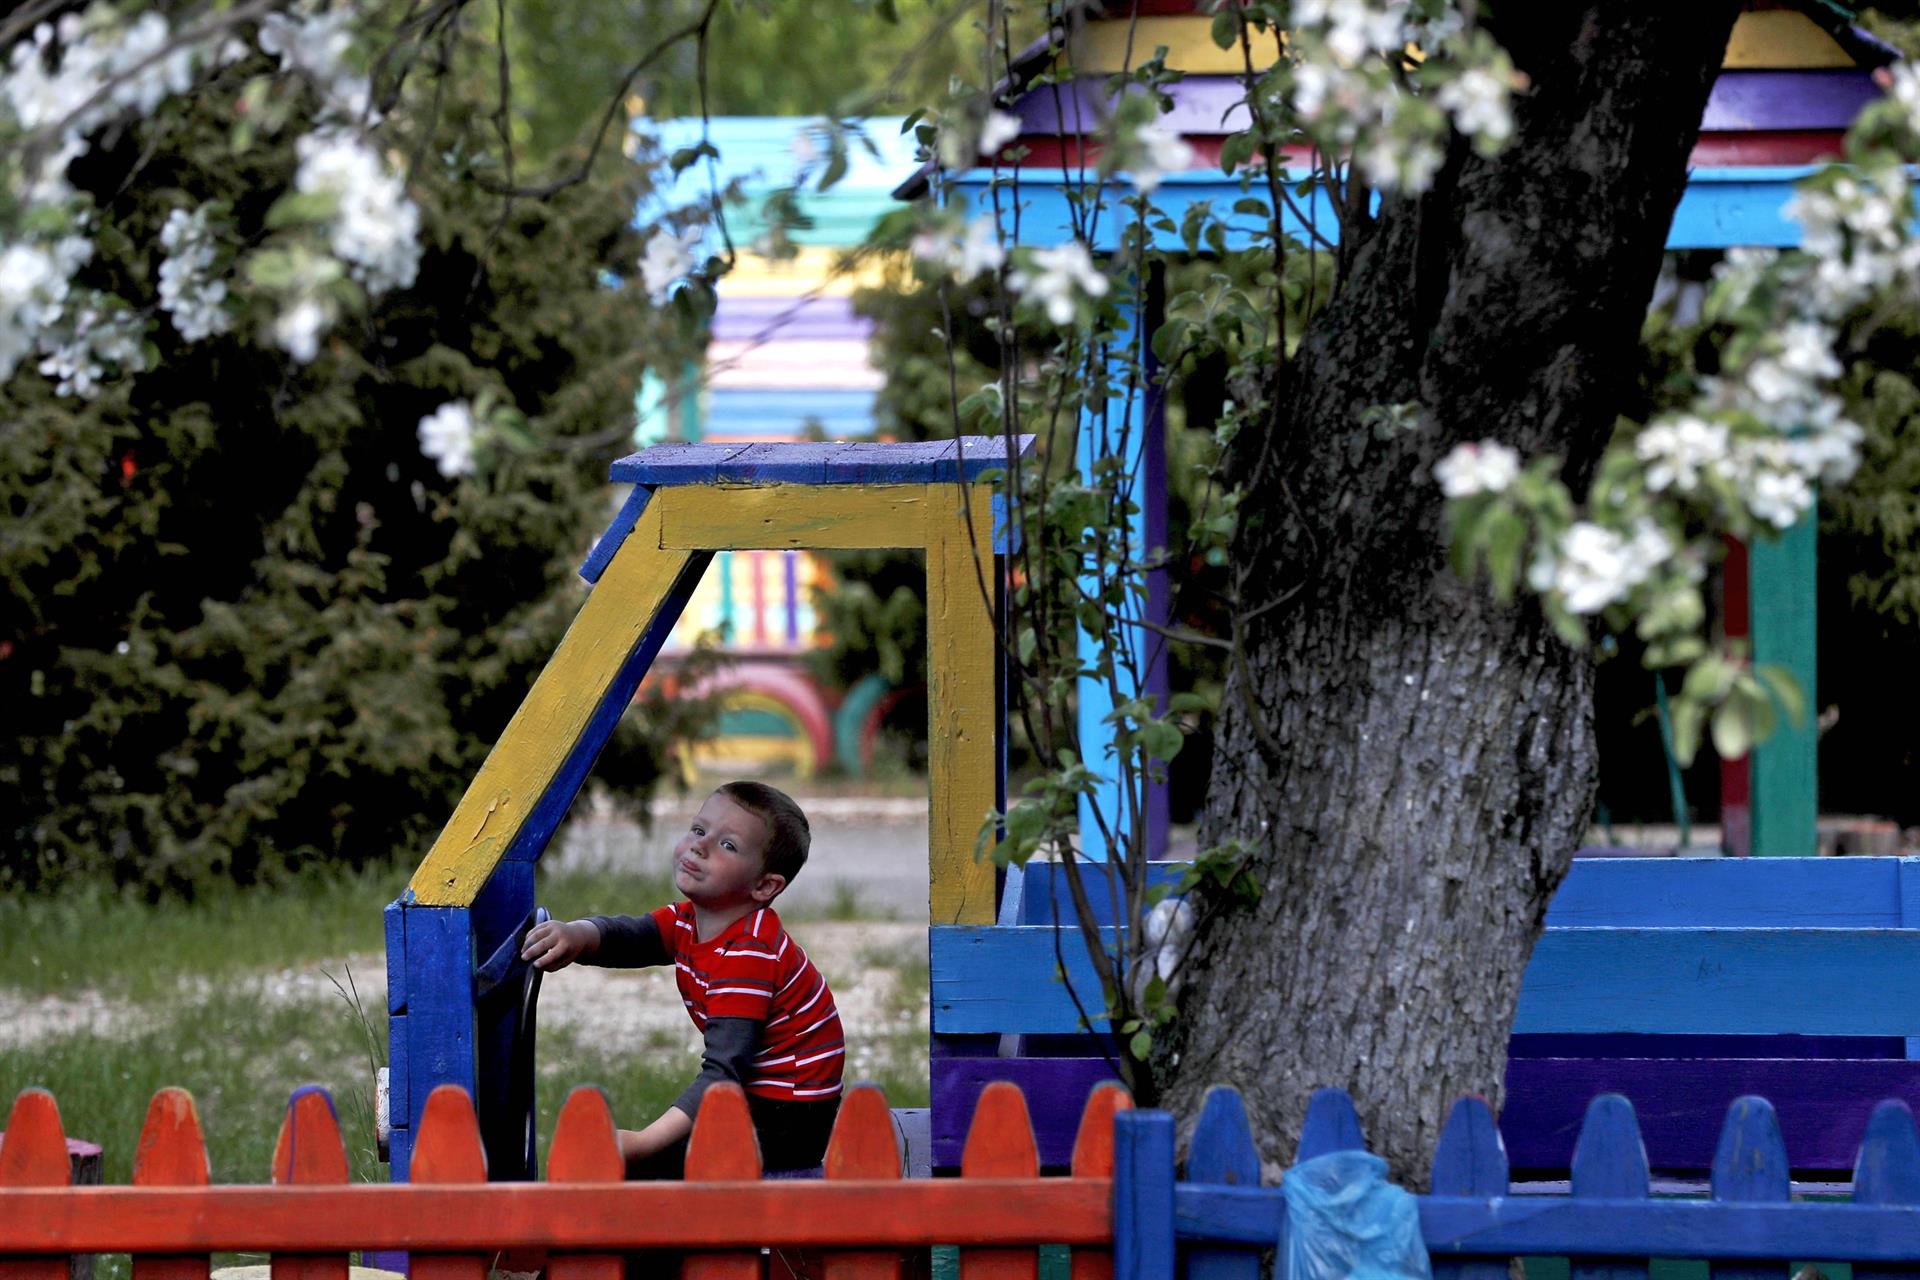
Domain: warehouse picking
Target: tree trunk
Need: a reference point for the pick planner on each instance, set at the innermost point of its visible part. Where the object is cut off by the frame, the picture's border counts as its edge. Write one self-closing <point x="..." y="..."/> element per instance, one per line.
<point x="1411" y="763"/>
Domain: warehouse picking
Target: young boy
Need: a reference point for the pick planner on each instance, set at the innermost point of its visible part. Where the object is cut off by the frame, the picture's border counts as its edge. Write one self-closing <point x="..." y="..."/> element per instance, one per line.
<point x="765" y="1011"/>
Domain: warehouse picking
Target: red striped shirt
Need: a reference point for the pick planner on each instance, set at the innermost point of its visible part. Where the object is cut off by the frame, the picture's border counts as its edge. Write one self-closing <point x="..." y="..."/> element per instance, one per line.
<point x="755" y="969"/>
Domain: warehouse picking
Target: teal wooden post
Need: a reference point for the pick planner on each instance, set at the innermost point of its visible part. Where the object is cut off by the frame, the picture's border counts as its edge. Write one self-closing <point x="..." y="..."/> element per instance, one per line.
<point x="1785" y="633"/>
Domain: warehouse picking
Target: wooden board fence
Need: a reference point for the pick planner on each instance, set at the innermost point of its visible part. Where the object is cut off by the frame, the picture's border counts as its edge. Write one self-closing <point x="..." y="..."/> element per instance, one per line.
<point x="861" y="1221"/>
<point x="1214" y="1227"/>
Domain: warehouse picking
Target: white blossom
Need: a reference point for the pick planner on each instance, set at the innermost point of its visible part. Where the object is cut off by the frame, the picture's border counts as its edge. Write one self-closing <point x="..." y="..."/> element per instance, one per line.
<point x="300" y="325"/>
<point x="188" y="294"/>
<point x="1595" y="566"/>
<point x="669" y="259"/>
<point x="1058" y="278"/>
<point x="1678" y="449"/>
<point x="375" y="228"/>
<point x="32" y="289"/>
<point x="1157" y="152"/>
<point x="1477" y="99"/>
<point x="1164" y="934"/>
<point x="1469" y="469"/>
<point x="88" y="344"/>
<point x="447" y="437"/>
<point x="974" y="251"/>
<point x="997" y="130"/>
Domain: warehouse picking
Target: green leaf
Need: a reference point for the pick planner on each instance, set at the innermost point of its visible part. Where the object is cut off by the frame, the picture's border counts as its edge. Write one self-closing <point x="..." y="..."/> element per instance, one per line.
<point x="298" y="208"/>
<point x="1780" y="682"/>
<point x="1226" y="29"/>
<point x="1161" y="739"/>
<point x="1140" y="1046"/>
<point x="1733" y="728"/>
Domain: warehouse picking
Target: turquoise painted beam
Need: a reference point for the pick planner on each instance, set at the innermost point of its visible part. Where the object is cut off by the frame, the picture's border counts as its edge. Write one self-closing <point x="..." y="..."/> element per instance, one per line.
<point x="1785" y="772"/>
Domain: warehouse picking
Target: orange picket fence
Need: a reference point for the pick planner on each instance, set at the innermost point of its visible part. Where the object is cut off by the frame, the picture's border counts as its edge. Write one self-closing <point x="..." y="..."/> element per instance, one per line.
<point x="862" y="1221"/>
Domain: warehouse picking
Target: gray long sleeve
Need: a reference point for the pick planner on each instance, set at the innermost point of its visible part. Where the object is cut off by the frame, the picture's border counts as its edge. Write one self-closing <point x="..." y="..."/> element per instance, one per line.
<point x="730" y="1046"/>
<point x="628" y="942"/>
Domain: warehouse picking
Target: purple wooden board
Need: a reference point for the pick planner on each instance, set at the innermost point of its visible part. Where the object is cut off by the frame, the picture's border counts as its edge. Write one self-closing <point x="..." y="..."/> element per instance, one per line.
<point x="1744" y="100"/>
<point x="673" y="464"/>
<point x="1741" y="100"/>
<point x="1823" y="1104"/>
<point x="1056" y="1090"/>
<point x="791" y="319"/>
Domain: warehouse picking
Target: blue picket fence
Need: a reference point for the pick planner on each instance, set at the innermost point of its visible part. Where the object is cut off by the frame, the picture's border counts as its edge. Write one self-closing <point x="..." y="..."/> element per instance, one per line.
<point x="1216" y="1223"/>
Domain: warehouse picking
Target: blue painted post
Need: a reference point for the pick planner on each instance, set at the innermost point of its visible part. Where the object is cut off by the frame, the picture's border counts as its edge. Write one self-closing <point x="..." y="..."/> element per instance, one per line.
<point x="1610" y="1163"/>
<point x="1143" y="1195"/>
<point x="1222" y="1153"/>
<point x="1786" y="633"/>
<point x="1331" y="1125"/>
<point x="1887" y="1172"/>
<point x="1749" y="1167"/>
<point x="1131" y="425"/>
<point x="1470" y="1161"/>
<point x="440" y="1014"/>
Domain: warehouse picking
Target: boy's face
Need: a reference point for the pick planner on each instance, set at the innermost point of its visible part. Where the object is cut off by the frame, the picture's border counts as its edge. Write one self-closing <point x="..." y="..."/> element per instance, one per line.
<point x="721" y="861"/>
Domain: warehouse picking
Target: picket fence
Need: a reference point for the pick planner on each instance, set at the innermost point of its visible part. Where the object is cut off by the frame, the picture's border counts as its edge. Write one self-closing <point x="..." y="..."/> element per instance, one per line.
<point x="861" y="1221"/>
<point x="1216" y="1224"/>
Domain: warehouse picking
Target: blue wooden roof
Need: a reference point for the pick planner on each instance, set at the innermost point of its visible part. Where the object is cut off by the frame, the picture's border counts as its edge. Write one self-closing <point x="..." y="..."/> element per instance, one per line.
<point x="841" y="462"/>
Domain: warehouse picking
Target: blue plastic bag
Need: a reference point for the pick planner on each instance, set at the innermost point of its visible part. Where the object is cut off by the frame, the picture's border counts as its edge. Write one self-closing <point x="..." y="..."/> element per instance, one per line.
<point x="1345" y="1221"/>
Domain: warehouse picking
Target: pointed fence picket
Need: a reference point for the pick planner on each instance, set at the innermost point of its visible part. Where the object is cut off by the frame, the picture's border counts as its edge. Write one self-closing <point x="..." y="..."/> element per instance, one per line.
<point x="861" y="1221"/>
<point x="1609" y="1225"/>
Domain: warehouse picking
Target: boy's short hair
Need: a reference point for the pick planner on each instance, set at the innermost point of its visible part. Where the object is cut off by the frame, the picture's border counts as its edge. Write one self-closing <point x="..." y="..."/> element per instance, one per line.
<point x="788" y="834"/>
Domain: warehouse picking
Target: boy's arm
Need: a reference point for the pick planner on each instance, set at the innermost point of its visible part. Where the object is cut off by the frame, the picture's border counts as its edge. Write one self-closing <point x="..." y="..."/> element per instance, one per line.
<point x="627" y="942"/>
<point x="729" y="1048"/>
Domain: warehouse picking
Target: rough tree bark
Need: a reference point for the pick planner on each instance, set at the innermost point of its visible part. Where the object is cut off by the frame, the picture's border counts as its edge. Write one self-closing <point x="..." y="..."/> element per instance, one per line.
<point x="1412" y="763"/>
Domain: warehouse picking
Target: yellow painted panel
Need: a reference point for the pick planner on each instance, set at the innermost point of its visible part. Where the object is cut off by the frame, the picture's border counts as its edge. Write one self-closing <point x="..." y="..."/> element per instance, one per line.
<point x="1101" y="47"/>
<point x="780" y="516"/>
<point x="813" y="271"/>
<point x="962" y="762"/>
<point x="548" y="724"/>
<point x="1781" y="39"/>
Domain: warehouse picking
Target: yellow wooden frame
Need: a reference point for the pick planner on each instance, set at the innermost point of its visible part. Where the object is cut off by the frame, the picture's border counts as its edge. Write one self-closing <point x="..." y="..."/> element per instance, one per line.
<point x="952" y="524"/>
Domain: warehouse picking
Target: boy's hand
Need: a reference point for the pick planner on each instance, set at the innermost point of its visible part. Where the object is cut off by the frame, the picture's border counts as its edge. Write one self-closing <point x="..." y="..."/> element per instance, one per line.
<point x="555" y="944"/>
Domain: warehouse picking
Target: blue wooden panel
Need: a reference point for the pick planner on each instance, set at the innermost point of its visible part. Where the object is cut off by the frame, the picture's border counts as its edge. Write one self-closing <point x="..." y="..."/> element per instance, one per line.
<point x="672" y="464"/>
<point x="399" y="1083"/>
<point x="440" y="1022"/>
<point x="909" y="462"/>
<point x="794" y="463"/>
<point x="544" y="818"/>
<point x="1222" y="1152"/>
<point x="609" y="542"/>
<point x="1470" y="1161"/>
<point x="1331" y="1125"/>
<point x="394" y="918"/>
<point x="1909" y="916"/>
<point x="1750" y="1165"/>
<point x="1723" y="981"/>
<point x="990" y="979"/>
<point x="1046" y="882"/>
<point x="1773" y="893"/>
<point x="1144" y="1196"/>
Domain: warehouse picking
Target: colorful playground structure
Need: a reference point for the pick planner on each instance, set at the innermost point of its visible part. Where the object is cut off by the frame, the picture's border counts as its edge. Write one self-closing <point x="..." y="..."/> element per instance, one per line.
<point x="787" y="361"/>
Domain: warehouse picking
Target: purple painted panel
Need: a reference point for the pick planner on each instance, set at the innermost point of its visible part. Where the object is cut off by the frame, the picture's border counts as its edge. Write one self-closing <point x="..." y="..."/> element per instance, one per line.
<point x="1741" y="100"/>
<point x="1201" y="105"/>
<point x="1823" y="1104"/>
<point x="1056" y="1090"/>
<point x="1747" y="100"/>
<point x="789" y="319"/>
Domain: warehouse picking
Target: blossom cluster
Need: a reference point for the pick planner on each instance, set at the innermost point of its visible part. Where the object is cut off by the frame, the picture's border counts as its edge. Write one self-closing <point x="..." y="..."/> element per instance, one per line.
<point x="375" y="228"/>
<point x="965" y="252"/>
<point x="447" y="436"/>
<point x="188" y="292"/>
<point x="1057" y="279"/>
<point x="668" y="259"/>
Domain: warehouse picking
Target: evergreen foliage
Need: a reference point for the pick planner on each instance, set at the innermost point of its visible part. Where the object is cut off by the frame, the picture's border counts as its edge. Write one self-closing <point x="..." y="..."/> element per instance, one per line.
<point x="247" y="625"/>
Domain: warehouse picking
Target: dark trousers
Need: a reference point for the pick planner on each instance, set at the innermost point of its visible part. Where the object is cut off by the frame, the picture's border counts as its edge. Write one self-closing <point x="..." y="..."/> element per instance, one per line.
<point x="793" y="1135"/>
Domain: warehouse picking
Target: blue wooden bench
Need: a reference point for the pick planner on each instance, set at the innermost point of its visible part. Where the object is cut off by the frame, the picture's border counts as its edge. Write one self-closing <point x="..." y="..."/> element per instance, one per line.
<point x="1682" y="983"/>
<point x="1216" y="1223"/>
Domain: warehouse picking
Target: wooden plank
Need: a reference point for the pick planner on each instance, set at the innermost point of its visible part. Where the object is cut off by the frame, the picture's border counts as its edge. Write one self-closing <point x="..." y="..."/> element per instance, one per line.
<point x="1146" y="1199"/>
<point x="963" y="761"/>
<point x="1093" y="1158"/>
<point x="743" y="318"/>
<point x="1909" y="882"/>
<point x="1786" y="633"/>
<point x="616" y="533"/>
<point x="1221" y="1153"/>
<point x="1055" y="1088"/>
<point x="1610" y="1164"/>
<point x="540" y="760"/>
<point x="440" y="1025"/>
<point x="1888" y="1173"/>
<point x="33" y="1154"/>
<point x="1827" y="893"/>
<point x="1108" y="45"/>
<point x="799" y="463"/>
<point x="1470" y="1161"/>
<point x="1000" y="1145"/>
<point x="794" y="516"/>
<point x="1331" y="1125"/>
<point x="171" y="1153"/>
<point x="1767" y="100"/>
<point x="447" y="1150"/>
<point x="1204" y="104"/>
<point x="909" y="1213"/>
<point x="1781" y="39"/>
<point x="1823" y="1104"/>
<point x="393" y="920"/>
<point x="1750" y="1166"/>
<point x="723" y="1149"/>
<point x="309" y="1153"/>
<point x="672" y="464"/>
<point x="863" y="1147"/>
<point x="399" y="1092"/>
<point x="585" y="1149"/>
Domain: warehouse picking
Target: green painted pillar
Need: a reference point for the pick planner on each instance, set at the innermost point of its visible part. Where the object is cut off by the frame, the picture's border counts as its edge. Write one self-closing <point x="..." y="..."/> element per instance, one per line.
<point x="1785" y="773"/>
